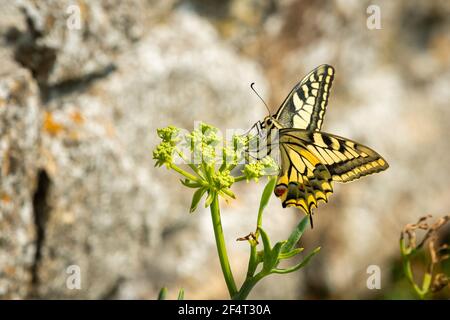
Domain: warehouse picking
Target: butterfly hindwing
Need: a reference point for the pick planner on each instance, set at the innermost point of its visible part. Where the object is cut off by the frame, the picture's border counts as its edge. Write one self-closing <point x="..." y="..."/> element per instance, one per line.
<point x="303" y="180"/>
<point x="305" y="106"/>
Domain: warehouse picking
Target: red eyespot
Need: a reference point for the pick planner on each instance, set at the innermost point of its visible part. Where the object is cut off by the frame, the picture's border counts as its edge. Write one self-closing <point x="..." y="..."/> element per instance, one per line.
<point x="280" y="190"/>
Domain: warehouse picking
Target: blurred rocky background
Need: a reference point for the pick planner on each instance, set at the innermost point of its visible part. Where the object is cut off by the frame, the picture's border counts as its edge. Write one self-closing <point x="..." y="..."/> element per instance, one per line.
<point x="80" y="101"/>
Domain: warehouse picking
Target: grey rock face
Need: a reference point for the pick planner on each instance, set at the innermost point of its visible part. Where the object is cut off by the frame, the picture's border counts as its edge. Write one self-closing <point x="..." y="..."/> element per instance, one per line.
<point x="83" y="149"/>
<point x="19" y="156"/>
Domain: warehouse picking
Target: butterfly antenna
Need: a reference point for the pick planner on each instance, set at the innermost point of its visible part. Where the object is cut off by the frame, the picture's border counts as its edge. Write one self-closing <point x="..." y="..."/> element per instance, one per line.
<point x="251" y="86"/>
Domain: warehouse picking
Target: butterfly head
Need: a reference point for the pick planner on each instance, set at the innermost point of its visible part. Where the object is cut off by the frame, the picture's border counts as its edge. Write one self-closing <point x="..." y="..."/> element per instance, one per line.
<point x="270" y="122"/>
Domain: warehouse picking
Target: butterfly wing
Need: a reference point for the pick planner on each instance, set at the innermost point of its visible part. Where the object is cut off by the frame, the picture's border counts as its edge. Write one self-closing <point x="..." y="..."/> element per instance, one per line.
<point x="346" y="160"/>
<point x="303" y="180"/>
<point x="310" y="161"/>
<point x="304" y="107"/>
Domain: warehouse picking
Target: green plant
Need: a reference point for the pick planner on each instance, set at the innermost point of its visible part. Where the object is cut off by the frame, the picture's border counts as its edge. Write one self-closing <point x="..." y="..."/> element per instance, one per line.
<point x="163" y="294"/>
<point x="209" y="165"/>
<point x="432" y="280"/>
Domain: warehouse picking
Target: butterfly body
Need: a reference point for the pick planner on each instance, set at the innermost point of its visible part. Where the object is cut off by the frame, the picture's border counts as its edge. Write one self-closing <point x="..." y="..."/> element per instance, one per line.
<point x="311" y="160"/>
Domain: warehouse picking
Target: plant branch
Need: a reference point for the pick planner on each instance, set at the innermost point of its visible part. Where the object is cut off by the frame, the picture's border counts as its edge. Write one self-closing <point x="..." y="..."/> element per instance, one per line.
<point x="406" y="264"/>
<point x="247" y="286"/>
<point x="186" y="174"/>
<point x="221" y="247"/>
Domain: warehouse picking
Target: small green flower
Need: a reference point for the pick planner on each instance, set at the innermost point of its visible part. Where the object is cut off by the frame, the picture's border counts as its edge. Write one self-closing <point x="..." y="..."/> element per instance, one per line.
<point x="231" y="157"/>
<point x="207" y="154"/>
<point x="256" y="170"/>
<point x="169" y="134"/>
<point x="163" y="154"/>
<point x="202" y="143"/>
<point x="203" y="135"/>
<point x="240" y="141"/>
<point x="223" y="179"/>
<point x="209" y="134"/>
<point x="270" y="166"/>
<point x="233" y="153"/>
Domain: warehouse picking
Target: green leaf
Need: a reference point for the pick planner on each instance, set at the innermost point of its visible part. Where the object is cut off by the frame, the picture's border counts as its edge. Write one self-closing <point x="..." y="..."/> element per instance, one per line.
<point x="303" y="263"/>
<point x="196" y="170"/>
<point x="267" y="250"/>
<point x="210" y="198"/>
<point x="190" y="184"/>
<point x="263" y="203"/>
<point x="296" y="235"/>
<point x="181" y="294"/>
<point x="196" y="199"/>
<point x="274" y="255"/>
<point x="268" y="190"/>
<point x="426" y="282"/>
<point x="253" y="261"/>
<point x="290" y="254"/>
<point x="227" y="195"/>
<point x="162" y="293"/>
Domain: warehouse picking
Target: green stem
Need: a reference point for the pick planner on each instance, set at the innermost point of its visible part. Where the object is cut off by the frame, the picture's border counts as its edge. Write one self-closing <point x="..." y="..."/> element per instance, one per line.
<point x="406" y="263"/>
<point x="408" y="272"/>
<point x="252" y="261"/>
<point x="188" y="162"/>
<point x="239" y="178"/>
<point x="221" y="247"/>
<point x="247" y="286"/>
<point x="186" y="174"/>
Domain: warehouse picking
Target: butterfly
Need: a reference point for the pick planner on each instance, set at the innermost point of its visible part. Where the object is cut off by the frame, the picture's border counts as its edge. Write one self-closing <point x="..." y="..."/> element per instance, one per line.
<point x="311" y="160"/>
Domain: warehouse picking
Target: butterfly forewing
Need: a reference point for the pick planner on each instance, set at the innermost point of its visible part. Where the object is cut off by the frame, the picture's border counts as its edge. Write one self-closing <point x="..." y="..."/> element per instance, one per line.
<point x="305" y="106"/>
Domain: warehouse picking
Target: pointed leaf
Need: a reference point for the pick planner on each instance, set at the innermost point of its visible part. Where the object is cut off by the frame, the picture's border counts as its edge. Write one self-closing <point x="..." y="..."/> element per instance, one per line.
<point x="426" y="281"/>
<point x="290" y="254"/>
<point x="268" y="190"/>
<point x="252" y="262"/>
<point x="229" y="194"/>
<point x="181" y="294"/>
<point x="189" y="183"/>
<point x="267" y="250"/>
<point x="162" y="293"/>
<point x="196" y="170"/>
<point x="209" y="199"/>
<point x="296" y="235"/>
<point x="303" y="263"/>
<point x="274" y="255"/>
<point x="196" y="199"/>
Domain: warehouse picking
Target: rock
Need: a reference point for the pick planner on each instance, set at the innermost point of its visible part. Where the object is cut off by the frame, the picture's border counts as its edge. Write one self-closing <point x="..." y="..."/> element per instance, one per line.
<point x="105" y="207"/>
<point x="66" y="41"/>
<point x="19" y="154"/>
